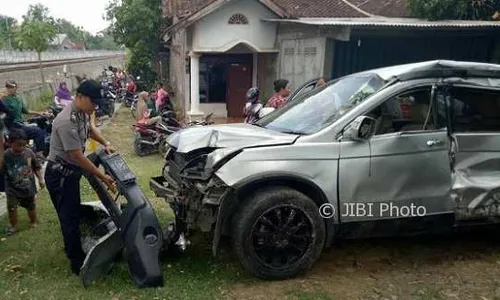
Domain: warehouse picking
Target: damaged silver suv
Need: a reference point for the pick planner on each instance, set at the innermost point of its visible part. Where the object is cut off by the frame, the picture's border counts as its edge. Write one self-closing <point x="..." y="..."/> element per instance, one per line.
<point x="400" y="150"/>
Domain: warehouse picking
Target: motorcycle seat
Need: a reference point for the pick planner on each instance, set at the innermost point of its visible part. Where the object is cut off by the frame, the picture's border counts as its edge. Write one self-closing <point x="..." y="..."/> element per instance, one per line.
<point x="145" y="126"/>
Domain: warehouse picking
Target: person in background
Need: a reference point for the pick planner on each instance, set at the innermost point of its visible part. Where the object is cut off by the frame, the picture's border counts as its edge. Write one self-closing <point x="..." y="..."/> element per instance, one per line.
<point x="21" y="165"/>
<point x="282" y="91"/>
<point x="321" y="82"/>
<point x="131" y="87"/>
<point x="253" y="105"/>
<point x="121" y="78"/>
<point x="143" y="113"/>
<point x="110" y="75"/>
<point x="150" y="102"/>
<point x="161" y="97"/>
<point x="2" y="146"/>
<point x="63" y="96"/>
<point x="16" y="109"/>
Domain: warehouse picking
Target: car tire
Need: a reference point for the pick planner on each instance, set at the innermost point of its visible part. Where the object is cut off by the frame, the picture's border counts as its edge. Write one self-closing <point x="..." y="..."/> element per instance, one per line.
<point x="267" y="205"/>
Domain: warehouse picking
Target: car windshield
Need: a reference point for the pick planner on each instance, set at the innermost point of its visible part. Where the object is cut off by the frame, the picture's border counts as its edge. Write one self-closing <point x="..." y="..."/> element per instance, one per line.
<point x="311" y="112"/>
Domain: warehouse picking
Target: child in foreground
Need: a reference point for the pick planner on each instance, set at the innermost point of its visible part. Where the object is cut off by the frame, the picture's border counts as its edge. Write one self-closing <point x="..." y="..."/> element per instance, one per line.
<point x="20" y="167"/>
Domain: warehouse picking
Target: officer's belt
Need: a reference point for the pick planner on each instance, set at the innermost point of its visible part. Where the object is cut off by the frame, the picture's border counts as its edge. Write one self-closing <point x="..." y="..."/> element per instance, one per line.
<point x="64" y="168"/>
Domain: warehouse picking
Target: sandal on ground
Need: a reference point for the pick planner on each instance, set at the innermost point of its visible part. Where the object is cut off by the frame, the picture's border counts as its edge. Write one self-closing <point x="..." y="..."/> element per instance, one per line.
<point x="10" y="231"/>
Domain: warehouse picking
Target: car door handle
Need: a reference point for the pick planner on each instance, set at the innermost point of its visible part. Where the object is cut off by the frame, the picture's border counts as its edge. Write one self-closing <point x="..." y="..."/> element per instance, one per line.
<point x="434" y="142"/>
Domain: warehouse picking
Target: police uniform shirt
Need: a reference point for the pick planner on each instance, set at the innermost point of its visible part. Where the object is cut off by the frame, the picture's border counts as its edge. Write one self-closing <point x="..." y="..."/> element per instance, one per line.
<point x="70" y="131"/>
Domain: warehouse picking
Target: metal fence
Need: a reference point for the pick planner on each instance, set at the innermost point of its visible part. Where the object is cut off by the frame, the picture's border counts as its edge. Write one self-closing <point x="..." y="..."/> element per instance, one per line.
<point x="12" y="56"/>
<point x="30" y="87"/>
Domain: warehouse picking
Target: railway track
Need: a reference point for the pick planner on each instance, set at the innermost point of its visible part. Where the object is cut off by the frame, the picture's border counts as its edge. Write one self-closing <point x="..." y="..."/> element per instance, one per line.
<point x="4" y="68"/>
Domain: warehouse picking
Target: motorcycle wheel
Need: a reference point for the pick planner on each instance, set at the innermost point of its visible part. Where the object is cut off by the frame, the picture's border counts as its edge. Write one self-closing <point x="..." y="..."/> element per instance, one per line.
<point x="163" y="146"/>
<point x="139" y="149"/>
<point x="132" y="110"/>
<point x="111" y="110"/>
<point x="98" y="121"/>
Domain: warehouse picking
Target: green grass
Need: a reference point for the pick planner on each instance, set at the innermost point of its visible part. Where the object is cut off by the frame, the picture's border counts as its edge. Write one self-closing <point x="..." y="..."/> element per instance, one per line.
<point x="33" y="264"/>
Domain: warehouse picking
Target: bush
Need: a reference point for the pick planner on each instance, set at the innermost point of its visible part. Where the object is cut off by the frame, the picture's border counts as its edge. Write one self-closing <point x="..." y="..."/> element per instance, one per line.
<point x="40" y="102"/>
<point x="46" y="97"/>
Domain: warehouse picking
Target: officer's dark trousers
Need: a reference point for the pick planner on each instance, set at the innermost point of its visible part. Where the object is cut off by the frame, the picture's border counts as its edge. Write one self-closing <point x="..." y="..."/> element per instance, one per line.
<point x="65" y="195"/>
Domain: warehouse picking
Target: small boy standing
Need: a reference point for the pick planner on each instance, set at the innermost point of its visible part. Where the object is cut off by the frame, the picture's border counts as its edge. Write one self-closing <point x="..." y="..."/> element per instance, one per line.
<point x="20" y="166"/>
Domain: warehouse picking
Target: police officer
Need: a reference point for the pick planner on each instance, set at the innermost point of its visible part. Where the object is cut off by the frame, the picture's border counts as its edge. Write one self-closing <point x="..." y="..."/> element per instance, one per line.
<point x="66" y="162"/>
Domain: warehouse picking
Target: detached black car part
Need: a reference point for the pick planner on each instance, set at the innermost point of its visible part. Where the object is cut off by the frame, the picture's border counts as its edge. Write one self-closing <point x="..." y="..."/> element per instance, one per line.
<point x="109" y="230"/>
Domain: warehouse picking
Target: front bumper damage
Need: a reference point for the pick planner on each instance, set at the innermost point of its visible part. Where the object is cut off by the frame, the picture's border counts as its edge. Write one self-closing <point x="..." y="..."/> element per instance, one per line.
<point x="130" y="230"/>
<point x="193" y="192"/>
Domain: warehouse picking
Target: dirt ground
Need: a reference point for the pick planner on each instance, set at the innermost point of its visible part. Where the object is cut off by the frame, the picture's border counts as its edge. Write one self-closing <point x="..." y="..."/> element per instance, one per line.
<point x="460" y="266"/>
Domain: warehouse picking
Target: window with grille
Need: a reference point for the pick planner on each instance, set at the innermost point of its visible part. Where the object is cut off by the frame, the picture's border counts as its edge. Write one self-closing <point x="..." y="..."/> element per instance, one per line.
<point x="310" y="51"/>
<point x="238" y="19"/>
<point x="289" y="51"/>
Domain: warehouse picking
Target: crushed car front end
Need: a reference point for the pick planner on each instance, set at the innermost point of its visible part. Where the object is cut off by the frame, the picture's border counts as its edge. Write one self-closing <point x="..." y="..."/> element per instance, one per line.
<point x="190" y="188"/>
<point x="189" y="181"/>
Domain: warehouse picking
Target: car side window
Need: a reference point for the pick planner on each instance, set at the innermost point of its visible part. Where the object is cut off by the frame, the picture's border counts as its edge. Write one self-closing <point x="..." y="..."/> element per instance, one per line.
<point x="475" y="110"/>
<point x="306" y="89"/>
<point x="409" y="111"/>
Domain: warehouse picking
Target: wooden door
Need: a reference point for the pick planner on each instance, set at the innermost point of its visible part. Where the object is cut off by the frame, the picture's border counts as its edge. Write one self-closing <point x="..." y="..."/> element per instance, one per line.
<point x="239" y="80"/>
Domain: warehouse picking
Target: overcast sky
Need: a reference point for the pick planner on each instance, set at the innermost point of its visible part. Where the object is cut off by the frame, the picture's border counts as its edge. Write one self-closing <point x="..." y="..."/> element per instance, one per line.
<point x="86" y="13"/>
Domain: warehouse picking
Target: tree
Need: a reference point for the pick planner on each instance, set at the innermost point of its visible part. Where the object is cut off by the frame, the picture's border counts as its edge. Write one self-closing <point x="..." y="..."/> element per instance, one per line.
<point x="455" y="9"/>
<point x="136" y="24"/>
<point x="74" y="33"/>
<point x="36" y="33"/>
<point x="7" y="26"/>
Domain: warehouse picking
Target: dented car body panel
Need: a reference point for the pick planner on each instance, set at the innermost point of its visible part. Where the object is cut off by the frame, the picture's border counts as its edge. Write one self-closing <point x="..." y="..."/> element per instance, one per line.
<point x="475" y="177"/>
<point x="316" y="163"/>
<point x="448" y="173"/>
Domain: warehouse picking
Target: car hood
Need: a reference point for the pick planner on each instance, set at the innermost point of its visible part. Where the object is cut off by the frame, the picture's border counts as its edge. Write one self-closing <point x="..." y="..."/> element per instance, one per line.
<point x="234" y="136"/>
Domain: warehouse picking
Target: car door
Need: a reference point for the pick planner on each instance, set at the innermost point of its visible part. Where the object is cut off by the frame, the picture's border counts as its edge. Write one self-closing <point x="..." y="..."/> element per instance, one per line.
<point x="475" y="128"/>
<point x="403" y="171"/>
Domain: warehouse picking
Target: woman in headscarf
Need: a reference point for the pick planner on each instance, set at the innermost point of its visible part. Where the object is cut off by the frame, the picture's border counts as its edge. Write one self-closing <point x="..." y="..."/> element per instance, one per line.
<point x="63" y="96"/>
<point x="143" y="113"/>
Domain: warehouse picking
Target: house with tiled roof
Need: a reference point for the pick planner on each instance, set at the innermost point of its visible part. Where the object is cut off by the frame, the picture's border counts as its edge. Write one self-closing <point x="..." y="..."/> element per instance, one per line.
<point x="220" y="48"/>
<point x="61" y="42"/>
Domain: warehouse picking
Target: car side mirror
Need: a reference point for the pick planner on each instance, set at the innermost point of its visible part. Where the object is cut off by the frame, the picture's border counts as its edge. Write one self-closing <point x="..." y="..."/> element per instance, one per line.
<point x="362" y="128"/>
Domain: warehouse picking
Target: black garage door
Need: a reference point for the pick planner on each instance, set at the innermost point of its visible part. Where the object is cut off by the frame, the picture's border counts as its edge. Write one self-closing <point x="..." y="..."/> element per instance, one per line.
<point x="365" y="52"/>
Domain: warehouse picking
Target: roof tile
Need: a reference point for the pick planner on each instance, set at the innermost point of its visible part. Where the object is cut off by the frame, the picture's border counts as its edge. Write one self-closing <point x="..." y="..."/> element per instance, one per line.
<point x="306" y="8"/>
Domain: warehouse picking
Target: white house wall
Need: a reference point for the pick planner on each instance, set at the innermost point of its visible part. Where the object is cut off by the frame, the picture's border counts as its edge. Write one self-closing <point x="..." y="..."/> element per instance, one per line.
<point x="301" y="60"/>
<point x="306" y="52"/>
<point x="213" y="33"/>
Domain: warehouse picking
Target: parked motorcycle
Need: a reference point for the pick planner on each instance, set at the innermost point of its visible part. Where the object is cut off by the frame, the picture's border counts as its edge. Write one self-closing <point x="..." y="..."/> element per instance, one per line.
<point x="254" y="110"/>
<point x="130" y="99"/>
<point x="253" y="105"/>
<point x="169" y="118"/>
<point x="44" y="123"/>
<point x="107" y="109"/>
<point x="150" y="138"/>
<point x="168" y="106"/>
